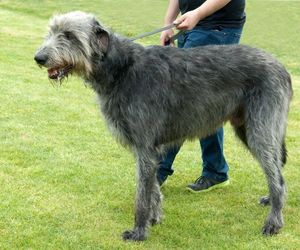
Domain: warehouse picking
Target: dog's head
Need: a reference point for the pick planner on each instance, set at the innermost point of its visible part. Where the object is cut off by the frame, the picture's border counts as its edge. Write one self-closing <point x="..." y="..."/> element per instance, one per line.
<point x="72" y="40"/>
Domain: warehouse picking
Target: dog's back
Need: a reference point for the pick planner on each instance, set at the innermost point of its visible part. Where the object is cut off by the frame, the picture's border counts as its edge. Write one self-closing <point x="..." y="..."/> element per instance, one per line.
<point x="178" y="86"/>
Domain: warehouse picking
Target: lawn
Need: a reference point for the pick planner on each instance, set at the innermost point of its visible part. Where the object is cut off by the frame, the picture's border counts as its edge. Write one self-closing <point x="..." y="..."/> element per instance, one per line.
<point x="65" y="182"/>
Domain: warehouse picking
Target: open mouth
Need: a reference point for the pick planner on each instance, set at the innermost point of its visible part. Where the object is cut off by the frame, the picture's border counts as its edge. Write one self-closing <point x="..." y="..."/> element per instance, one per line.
<point x="59" y="73"/>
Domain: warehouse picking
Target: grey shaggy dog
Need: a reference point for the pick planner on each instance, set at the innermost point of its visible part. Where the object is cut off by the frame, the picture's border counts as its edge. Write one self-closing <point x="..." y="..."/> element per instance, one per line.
<point x="152" y="97"/>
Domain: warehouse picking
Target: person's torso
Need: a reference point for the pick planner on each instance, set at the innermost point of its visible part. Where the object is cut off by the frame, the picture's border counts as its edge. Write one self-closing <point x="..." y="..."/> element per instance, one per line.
<point x="231" y="15"/>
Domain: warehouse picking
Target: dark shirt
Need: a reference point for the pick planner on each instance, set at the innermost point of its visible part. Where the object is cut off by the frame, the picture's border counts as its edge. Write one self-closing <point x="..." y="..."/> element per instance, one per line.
<point x="231" y="15"/>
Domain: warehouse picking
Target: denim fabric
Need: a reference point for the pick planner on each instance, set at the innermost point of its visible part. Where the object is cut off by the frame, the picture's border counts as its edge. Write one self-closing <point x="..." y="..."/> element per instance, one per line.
<point x="201" y="37"/>
<point x="214" y="163"/>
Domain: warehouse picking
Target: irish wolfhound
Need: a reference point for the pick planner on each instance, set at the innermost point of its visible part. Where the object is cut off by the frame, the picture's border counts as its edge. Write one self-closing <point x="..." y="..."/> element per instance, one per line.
<point x="155" y="96"/>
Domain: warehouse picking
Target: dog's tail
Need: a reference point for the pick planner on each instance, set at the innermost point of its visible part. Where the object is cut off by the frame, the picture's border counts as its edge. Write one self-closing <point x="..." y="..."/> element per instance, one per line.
<point x="283" y="154"/>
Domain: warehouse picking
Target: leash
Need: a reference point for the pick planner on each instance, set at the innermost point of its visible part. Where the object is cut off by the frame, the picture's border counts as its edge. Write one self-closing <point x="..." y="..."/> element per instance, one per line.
<point x="150" y="33"/>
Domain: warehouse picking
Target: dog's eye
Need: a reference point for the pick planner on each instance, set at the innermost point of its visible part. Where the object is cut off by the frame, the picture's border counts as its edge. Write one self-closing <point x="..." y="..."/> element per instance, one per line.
<point x="69" y="35"/>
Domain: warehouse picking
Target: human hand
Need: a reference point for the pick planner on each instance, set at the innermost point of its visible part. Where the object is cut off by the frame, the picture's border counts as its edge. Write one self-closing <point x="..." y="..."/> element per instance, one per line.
<point x="165" y="38"/>
<point x="188" y="20"/>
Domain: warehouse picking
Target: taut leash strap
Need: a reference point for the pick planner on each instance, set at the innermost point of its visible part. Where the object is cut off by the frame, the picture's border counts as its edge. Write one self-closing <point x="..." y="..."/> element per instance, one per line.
<point x="172" y="39"/>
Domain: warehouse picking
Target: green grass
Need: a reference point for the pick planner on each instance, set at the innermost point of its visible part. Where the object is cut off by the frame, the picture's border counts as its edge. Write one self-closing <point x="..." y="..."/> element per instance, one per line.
<point x="65" y="182"/>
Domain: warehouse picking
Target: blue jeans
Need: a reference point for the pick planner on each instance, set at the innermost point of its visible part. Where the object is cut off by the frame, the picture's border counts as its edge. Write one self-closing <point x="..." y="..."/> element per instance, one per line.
<point x="214" y="163"/>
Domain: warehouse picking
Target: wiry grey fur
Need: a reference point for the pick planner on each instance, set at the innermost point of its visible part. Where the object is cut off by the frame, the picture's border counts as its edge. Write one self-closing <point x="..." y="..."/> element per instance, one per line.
<point x="154" y="96"/>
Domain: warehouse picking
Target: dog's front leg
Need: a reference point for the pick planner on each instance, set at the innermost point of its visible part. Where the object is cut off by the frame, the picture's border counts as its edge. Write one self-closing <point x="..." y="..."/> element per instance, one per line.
<point x="146" y="168"/>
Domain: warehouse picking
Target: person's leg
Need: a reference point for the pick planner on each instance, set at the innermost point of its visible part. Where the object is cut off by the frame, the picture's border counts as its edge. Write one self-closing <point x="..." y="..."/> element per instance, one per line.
<point x="165" y="164"/>
<point x="166" y="161"/>
<point x="215" y="167"/>
<point x="214" y="164"/>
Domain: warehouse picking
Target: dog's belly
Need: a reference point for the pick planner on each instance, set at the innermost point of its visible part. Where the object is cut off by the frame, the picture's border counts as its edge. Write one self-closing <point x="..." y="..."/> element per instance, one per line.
<point x="200" y="125"/>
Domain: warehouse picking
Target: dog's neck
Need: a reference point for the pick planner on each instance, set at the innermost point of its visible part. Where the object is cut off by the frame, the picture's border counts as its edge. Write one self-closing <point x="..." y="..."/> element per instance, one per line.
<point x="110" y="69"/>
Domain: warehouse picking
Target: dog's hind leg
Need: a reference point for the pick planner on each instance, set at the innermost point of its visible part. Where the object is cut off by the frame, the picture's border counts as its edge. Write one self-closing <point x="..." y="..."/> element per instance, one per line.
<point x="265" y="129"/>
<point x="265" y="200"/>
<point x="267" y="154"/>
<point x="277" y="193"/>
<point x="146" y="168"/>
<point x="241" y="134"/>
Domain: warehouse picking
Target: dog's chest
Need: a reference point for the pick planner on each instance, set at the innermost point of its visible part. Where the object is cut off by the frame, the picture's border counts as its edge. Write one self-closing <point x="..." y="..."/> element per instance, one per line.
<point x="115" y="119"/>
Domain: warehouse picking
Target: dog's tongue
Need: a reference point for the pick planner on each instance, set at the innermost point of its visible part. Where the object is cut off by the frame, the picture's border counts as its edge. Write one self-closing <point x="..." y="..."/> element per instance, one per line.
<point x="52" y="73"/>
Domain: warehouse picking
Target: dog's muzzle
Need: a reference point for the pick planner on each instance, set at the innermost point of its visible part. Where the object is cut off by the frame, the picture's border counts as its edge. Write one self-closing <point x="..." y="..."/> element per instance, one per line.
<point x="41" y="58"/>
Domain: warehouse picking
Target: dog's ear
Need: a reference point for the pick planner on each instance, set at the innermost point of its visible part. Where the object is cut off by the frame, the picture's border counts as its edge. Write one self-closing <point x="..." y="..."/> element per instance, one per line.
<point x="102" y="37"/>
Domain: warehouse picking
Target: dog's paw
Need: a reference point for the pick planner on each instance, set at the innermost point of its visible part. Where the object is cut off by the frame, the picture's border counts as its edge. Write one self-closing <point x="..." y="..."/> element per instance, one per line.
<point x="155" y="221"/>
<point x="264" y="201"/>
<point x="271" y="227"/>
<point x="134" y="235"/>
<point x="269" y="230"/>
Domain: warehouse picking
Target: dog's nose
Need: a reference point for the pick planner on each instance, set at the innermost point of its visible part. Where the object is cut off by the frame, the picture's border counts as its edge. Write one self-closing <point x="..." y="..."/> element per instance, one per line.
<point x="41" y="59"/>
